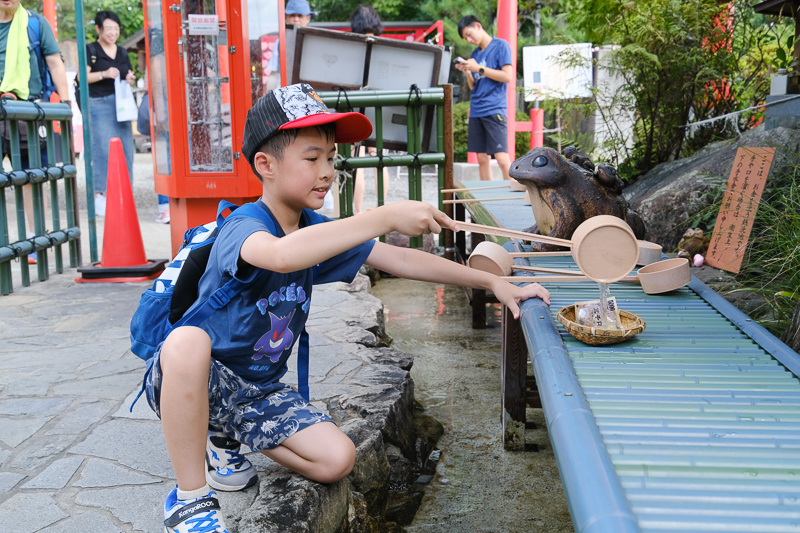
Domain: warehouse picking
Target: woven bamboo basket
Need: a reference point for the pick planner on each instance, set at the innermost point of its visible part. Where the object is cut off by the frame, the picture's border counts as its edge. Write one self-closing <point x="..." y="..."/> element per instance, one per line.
<point x="631" y="325"/>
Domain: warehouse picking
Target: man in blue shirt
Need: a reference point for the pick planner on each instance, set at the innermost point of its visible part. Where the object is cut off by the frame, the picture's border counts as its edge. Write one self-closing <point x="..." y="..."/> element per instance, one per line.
<point x="488" y="72"/>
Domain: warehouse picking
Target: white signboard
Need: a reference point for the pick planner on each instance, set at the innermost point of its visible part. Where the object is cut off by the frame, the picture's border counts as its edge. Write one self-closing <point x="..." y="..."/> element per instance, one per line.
<point x="546" y="76"/>
<point x="203" y="25"/>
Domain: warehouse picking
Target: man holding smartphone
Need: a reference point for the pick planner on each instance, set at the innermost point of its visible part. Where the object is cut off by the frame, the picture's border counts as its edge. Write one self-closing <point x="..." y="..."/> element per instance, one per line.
<point x="488" y="72"/>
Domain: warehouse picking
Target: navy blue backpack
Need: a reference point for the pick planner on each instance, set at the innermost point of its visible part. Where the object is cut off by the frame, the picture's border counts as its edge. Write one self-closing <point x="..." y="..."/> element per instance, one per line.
<point x="164" y="306"/>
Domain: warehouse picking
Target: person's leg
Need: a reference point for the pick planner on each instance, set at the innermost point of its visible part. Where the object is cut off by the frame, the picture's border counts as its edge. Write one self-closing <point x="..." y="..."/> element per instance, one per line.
<point x="504" y="162"/>
<point x="163" y="209"/>
<point x="484" y="166"/>
<point x="320" y="452"/>
<point x="102" y="109"/>
<point x="125" y="131"/>
<point x="476" y="142"/>
<point x="496" y="129"/>
<point x="185" y="360"/>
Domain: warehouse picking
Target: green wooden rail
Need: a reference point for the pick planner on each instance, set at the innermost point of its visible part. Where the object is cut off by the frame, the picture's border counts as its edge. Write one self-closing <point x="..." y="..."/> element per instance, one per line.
<point x="36" y="176"/>
<point x="413" y="100"/>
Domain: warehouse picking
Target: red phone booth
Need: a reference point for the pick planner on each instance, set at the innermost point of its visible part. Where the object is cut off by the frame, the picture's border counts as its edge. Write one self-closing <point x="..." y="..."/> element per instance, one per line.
<point x="202" y="83"/>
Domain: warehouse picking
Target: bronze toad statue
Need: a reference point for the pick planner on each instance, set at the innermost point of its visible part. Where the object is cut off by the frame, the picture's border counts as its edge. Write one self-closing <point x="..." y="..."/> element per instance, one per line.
<point x="564" y="192"/>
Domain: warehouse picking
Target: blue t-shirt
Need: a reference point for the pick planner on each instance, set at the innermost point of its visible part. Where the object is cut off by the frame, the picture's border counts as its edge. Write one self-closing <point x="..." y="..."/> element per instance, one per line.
<point x="49" y="47"/>
<point x="253" y="335"/>
<point x="489" y="96"/>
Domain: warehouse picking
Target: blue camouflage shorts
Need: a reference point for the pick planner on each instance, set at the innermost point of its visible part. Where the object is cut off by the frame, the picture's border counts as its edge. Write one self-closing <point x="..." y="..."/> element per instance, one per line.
<point x="260" y="418"/>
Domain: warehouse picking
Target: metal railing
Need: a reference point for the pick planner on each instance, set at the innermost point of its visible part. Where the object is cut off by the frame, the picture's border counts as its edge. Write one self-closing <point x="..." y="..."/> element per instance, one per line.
<point x="31" y="172"/>
<point x="413" y="99"/>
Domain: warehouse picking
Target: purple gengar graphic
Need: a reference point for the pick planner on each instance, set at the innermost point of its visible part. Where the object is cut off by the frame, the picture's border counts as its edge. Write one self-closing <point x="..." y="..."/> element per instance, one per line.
<point x="276" y="340"/>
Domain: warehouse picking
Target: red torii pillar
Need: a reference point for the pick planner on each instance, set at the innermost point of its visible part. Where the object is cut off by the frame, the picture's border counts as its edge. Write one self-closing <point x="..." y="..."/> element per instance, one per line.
<point x="507" y="30"/>
<point x="49" y="8"/>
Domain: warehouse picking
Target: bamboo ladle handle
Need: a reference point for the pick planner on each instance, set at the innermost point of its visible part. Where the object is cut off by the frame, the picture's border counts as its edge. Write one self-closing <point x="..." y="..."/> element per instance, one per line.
<point x="562" y="271"/>
<point x="513" y="234"/>
<point x="474" y="188"/>
<point x="560" y="279"/>
<point x="473" y="200"/>
<point x="541" y="254"/>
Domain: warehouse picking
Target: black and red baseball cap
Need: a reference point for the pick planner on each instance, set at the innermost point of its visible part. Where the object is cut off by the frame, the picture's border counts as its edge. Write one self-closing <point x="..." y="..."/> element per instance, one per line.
<point x="297" y="106"/>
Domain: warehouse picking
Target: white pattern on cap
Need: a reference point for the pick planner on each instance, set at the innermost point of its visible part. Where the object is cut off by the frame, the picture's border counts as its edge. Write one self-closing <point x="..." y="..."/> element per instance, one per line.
<point x="299" y="100"/>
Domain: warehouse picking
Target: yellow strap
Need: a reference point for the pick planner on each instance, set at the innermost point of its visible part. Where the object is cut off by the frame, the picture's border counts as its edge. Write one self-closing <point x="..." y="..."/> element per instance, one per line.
<point x="17" y="73"/>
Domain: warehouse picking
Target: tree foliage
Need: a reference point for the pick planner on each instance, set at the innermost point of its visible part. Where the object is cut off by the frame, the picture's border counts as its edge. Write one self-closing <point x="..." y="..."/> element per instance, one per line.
<point x="679" y="61"/>
<point x="130" y="14"/>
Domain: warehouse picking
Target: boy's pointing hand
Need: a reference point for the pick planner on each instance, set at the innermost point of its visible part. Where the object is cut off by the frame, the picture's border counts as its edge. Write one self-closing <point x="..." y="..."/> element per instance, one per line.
<point x="416" y="218"/>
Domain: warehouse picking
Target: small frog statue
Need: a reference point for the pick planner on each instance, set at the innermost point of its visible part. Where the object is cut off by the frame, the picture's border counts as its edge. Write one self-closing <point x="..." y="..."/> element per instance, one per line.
<point x="565" y="191"/>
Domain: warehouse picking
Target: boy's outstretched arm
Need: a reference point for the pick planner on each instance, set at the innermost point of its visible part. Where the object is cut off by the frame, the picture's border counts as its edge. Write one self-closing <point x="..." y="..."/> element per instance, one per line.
<point x="415" y="264"/>
<point x="311" y="245"/>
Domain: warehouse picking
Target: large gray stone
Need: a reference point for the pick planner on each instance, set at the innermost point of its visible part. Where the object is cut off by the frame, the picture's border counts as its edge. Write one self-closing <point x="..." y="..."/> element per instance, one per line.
<point x="17" y="431"/>
<point x="8" y="480"/>
<point x="34" y="406"/>
<point x="675" y="191"/>
<point x="370" y="476"/>
<point x="123" y="365"/>
<point x="135" y="444"/>
<point x="26" y="513"/>
<point x="41" y="452"/>
<point x="141" y="410"/>
<point x="28" y="386"/>
<point x="81" y="417"/>
<point x="141" y="506"/>
<point x="56" y="475"/>
<point x="84" y="523"/>
<point x="292" y="504"/>
<point x="112" y="387"/>
<point x="387" y="408"/>
<point x="100" y="473"/>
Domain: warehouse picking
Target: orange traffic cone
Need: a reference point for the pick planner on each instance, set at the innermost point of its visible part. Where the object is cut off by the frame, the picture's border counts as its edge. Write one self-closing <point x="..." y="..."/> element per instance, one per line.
<point x="123" y="250"/>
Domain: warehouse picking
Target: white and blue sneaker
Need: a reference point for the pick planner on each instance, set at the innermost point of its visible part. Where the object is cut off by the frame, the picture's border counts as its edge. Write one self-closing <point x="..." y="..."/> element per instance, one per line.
<point x="228" y="470"/>
<point x="201" y="515"/>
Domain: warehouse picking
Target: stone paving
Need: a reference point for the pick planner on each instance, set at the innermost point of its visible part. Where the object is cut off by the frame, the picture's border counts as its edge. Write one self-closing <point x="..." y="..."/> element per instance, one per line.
<point x="72" y="456"/>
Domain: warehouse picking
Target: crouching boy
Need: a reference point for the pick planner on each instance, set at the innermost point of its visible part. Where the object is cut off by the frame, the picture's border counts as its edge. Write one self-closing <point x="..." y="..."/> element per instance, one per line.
<point x="218" y="385"/>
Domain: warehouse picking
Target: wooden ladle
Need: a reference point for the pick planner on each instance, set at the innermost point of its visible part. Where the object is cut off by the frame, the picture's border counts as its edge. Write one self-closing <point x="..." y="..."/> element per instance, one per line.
<point x="604" y="247"/>
<point x="656" y="278"/>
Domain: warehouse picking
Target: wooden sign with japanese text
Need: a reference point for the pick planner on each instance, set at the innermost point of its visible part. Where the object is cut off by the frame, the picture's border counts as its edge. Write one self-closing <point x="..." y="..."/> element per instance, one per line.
<point x="738" y="209"/>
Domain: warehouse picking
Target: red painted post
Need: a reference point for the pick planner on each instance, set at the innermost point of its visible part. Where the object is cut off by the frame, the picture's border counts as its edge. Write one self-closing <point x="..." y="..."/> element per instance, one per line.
<point x="507" y="30"/>
<point x="49" y="8"/>
<point x="537" y="128"/>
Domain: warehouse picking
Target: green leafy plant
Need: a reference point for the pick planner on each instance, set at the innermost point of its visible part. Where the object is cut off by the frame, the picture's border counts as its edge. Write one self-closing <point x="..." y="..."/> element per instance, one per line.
<point x="784" y="56"/>
<point x="676" y="62"/>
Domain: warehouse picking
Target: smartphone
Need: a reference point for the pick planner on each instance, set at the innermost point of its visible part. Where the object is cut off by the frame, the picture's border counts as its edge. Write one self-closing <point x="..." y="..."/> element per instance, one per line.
<point x="460" y="59"/>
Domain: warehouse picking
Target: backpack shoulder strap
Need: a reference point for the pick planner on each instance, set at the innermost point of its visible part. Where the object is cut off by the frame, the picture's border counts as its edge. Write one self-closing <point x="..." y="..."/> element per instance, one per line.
<point x="35" y="45"/>
<point x="304" y="342"/>
<point x="34" y="33"/>
<point x="233" y="287"/>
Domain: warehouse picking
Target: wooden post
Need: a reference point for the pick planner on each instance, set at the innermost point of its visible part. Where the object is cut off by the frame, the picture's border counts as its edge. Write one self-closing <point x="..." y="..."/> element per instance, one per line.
<point x="447" y="122"/>
<point x="514" y="378"/>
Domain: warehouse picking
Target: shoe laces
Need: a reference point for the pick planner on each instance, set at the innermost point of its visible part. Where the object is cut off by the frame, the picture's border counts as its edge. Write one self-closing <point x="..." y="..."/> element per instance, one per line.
<point x="204" y="523"/>
<point x="235" y="458"/>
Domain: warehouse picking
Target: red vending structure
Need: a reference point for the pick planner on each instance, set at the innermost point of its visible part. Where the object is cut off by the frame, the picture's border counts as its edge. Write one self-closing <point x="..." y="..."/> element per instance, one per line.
<point x="204" y="63"/>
